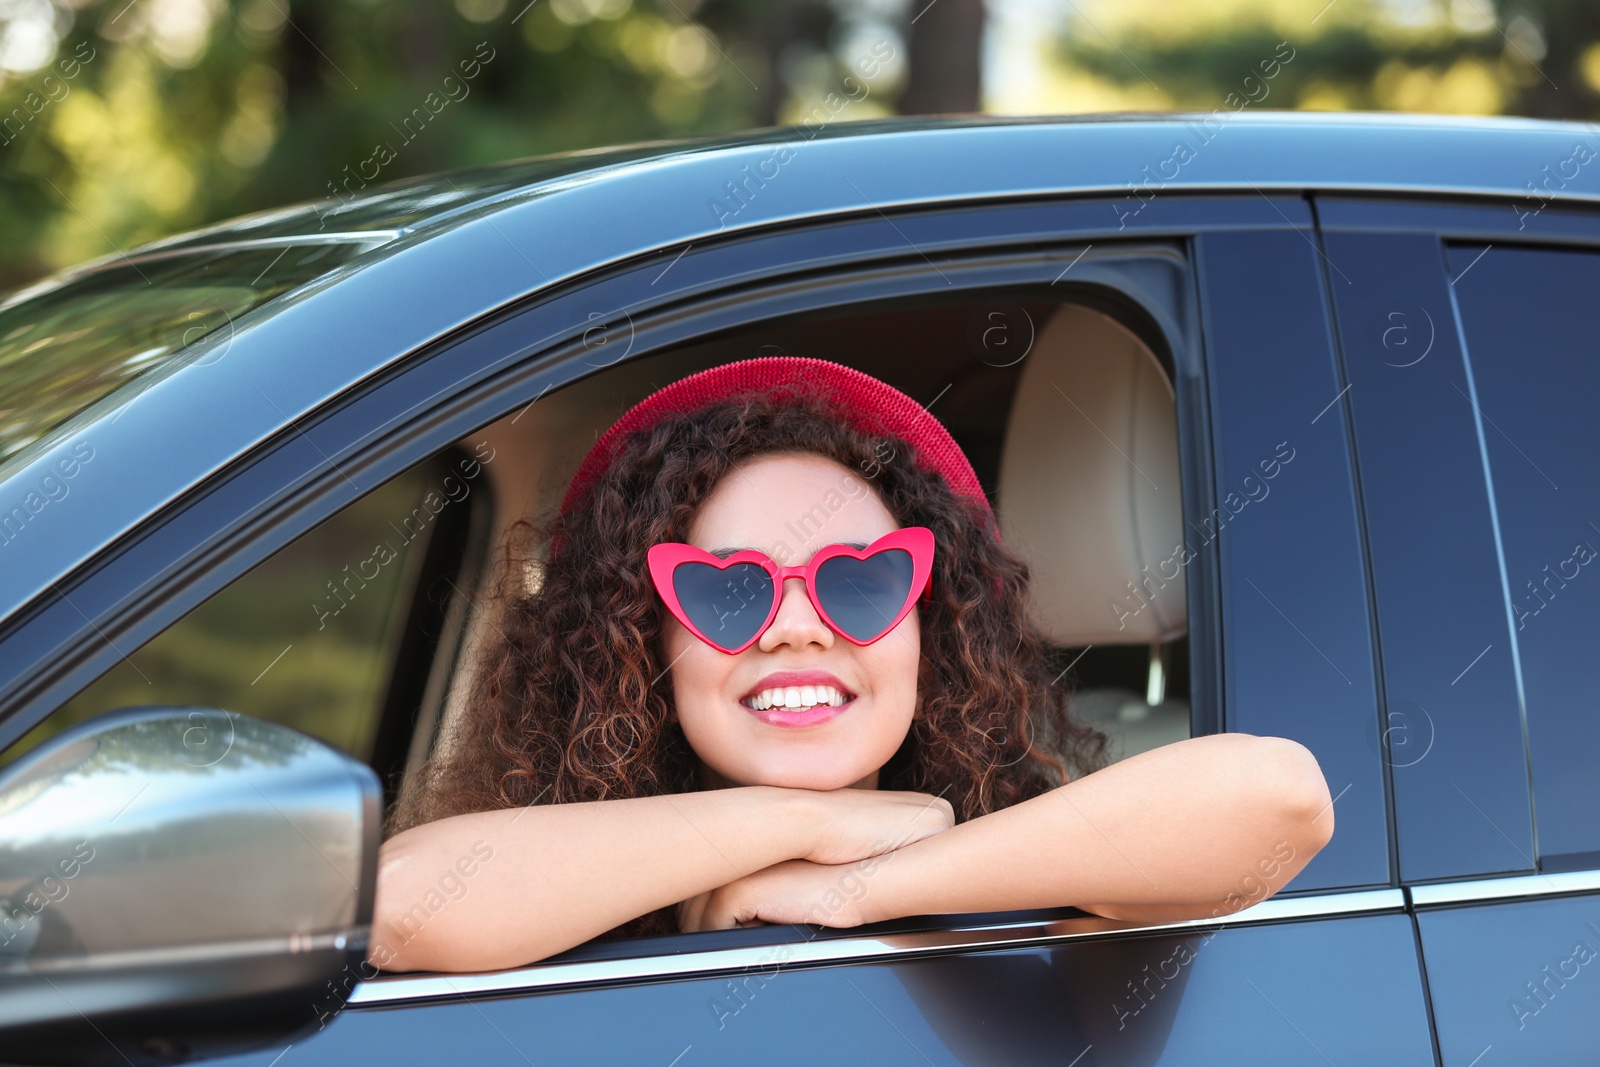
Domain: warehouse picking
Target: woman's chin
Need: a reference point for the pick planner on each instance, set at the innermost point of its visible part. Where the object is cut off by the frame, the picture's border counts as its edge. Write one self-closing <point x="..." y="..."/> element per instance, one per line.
<point x="820" y="778"/>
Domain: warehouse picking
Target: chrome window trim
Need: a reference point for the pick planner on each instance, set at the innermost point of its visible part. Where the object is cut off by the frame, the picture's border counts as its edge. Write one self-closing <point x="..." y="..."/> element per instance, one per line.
<point x="548" y="976"/>
<point x="152" y="252"/>
<point x="155" y="252"/>
<point x="1515" y="886"/>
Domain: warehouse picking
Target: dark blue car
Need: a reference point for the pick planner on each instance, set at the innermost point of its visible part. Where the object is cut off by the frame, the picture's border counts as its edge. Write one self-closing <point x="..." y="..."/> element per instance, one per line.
<point x="1295" y="414"/>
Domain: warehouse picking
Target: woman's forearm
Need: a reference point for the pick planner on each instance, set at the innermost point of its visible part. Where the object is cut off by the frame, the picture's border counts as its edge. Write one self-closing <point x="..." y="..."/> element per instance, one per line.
<point x="503" y="888"/>
<point x="1194" y="829"/>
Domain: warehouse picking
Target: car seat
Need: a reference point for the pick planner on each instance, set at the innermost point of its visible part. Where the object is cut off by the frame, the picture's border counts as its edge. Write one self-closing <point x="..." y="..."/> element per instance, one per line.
<point x="1089" y="492"/>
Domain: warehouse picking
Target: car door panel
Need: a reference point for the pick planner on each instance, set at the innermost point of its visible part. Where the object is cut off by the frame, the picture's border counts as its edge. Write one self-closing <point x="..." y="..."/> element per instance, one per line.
<point x="1477" y="444"/>
<point x="1455" y="736"/>
<point x="1272" y="992"/>
<point x="1236" y="995"/>
<point x="1298" y="658"/>
<point x="1515" y="982"/>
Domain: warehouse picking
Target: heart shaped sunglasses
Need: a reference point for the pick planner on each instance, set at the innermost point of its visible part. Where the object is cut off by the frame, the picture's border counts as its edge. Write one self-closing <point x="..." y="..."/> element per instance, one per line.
<point x="861" y="594"/>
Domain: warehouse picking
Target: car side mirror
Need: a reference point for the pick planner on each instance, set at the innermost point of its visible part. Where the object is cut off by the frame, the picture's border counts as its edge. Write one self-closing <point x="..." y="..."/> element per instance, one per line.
<point x="178" y="883"/>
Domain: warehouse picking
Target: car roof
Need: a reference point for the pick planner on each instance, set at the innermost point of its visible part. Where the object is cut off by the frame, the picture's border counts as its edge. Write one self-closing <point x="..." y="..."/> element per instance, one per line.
<point x="447" y="249"/>
<point x="439" y="200"/>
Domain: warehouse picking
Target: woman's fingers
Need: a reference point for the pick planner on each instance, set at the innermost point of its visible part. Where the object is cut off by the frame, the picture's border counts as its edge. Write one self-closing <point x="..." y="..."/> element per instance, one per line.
<point x="690" y="911"/>
<point x="854" y="824"/>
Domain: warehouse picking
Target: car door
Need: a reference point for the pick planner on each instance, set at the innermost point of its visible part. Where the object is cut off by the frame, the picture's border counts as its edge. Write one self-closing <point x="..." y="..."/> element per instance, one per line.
<point x="1467" y="332"/>
<point x="1280" y="623"/>
<point x="1053" y="987"/>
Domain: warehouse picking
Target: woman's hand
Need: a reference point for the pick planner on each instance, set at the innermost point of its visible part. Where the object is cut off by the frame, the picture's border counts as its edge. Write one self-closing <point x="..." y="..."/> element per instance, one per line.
<point x="794" y="891"/>
<point x="854" y="824"/>
<point x="855" y="831"/>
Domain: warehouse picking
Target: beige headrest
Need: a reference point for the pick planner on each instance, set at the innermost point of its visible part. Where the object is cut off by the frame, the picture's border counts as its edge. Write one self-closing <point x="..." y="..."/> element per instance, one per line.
<point x="1089" y="487"/>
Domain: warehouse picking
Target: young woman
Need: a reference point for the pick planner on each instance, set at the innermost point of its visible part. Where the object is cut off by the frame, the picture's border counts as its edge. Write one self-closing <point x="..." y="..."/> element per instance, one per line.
<point x="777" y="668"/>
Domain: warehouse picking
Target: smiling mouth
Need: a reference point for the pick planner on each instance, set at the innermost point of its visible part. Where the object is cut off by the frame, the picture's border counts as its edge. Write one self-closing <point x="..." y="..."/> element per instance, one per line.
<point x="797" y="698"/>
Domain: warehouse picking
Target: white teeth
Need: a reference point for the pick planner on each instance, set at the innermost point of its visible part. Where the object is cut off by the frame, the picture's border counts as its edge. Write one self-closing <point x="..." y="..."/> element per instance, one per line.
<point x="795" y="697"/>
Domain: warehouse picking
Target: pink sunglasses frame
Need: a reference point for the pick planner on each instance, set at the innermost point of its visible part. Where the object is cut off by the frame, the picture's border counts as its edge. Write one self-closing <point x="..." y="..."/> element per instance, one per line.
<point x="917" y="541"/>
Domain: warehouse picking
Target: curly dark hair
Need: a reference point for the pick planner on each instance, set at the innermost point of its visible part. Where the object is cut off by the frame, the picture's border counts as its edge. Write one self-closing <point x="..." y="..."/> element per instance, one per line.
<point x="992" y="730"/>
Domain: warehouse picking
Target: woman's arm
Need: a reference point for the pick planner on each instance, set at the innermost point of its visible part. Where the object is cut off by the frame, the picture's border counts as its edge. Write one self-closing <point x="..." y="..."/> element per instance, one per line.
<point x="1195" y="829"/>
<point x="547" y="877"/>
<point x="502" y="888"/>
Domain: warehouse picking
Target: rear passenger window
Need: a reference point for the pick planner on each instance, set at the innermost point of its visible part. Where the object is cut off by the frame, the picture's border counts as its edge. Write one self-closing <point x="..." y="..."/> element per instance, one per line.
<point x="1527" y="317"/>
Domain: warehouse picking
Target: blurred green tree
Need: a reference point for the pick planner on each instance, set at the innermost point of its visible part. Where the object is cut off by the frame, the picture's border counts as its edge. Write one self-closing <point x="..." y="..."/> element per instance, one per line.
<point x="1538" y="58"/>
<point x="125" y="120"/>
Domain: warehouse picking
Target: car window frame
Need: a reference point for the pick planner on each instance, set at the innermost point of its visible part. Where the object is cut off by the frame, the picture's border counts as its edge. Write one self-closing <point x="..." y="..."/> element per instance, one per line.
<point x="191" y="549"/>
<point x="448" y="389"/>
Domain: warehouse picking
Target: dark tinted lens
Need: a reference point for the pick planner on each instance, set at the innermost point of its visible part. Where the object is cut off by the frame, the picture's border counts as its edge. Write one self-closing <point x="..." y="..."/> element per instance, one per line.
<point x="728" y="605"/>
<point x="863" y="595"/>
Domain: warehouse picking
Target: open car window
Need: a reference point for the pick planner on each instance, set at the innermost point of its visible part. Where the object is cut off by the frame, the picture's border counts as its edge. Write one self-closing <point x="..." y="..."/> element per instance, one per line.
<point x="365" y="631"/>
<point x="1069" y="419"/>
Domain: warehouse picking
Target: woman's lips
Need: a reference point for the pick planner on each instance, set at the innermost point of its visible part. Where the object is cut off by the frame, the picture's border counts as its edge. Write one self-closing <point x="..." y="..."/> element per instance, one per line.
<point x="783" y="717"/>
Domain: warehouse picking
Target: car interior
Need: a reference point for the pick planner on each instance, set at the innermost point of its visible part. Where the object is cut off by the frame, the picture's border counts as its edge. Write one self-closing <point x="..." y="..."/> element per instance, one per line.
<point x="1063" y="401"/>
<point x="1068" y="418"/>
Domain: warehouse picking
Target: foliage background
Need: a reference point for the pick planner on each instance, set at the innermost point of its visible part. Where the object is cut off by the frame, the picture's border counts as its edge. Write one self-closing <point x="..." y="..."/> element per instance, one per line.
<point x="191" y="111"/>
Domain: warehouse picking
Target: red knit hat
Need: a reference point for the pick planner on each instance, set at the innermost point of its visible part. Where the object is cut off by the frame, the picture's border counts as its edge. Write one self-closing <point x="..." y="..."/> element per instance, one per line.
<point x="861" y="400"/>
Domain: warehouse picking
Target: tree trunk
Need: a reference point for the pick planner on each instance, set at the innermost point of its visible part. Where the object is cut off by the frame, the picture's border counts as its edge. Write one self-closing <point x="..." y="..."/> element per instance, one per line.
<point x="944" y="47"/>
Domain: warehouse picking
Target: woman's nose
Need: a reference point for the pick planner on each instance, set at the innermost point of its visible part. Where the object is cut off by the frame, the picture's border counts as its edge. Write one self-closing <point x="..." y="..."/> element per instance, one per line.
<point x="797" y="622"/>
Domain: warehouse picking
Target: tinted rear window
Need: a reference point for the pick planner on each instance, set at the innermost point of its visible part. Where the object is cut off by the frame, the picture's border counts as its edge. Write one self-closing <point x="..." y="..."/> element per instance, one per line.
<point x="1528" y="317"/>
